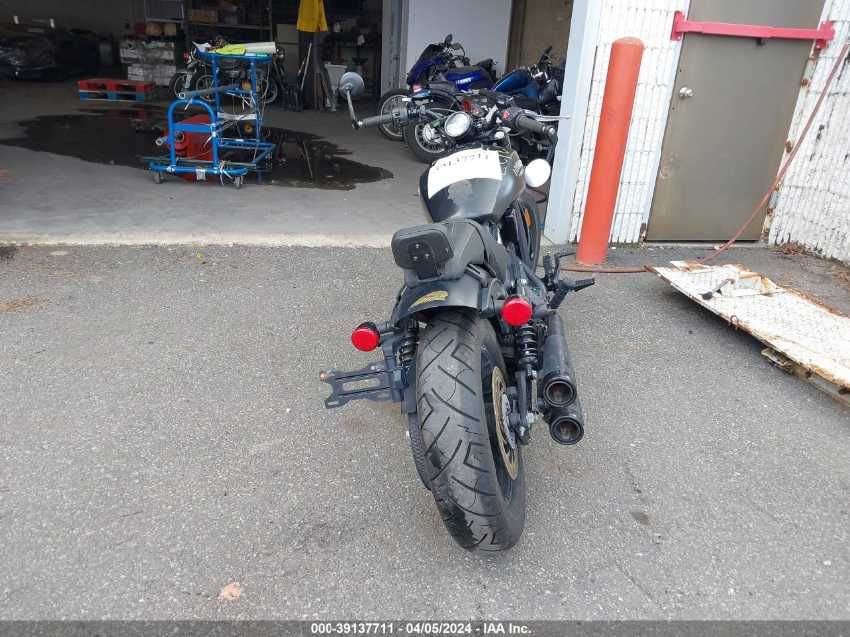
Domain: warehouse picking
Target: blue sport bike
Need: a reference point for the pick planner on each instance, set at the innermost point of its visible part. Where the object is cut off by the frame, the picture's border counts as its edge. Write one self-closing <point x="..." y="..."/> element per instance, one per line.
<point x="444" y="62"/>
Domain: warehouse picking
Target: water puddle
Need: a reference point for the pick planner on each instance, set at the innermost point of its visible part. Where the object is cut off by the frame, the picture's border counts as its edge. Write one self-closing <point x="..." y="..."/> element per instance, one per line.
<point x="121" y="136"/>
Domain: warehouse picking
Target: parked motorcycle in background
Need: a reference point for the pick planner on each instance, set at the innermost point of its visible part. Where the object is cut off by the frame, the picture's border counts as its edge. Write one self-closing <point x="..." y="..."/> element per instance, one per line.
<point x="184" y="79"/>
<point x="197" y="74"/>
<point x="536" y="88"/>
<point x="445" y="61"/>
<point x="474" y="349"/>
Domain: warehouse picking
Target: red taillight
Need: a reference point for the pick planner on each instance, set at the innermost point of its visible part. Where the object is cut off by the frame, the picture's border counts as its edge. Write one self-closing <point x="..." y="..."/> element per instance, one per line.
<point x="365" y="337"/>
<point x="516" y="311"/>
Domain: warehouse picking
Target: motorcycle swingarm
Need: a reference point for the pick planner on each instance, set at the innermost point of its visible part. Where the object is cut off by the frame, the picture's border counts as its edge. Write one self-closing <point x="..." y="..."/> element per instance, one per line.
<point x="370" y="383"/>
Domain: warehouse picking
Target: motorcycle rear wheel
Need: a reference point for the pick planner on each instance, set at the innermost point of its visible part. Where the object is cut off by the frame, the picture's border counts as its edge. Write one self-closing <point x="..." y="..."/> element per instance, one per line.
<point x="476" y="476"/>
<point x="390" y="101"/>
<point x="267" y="88"/>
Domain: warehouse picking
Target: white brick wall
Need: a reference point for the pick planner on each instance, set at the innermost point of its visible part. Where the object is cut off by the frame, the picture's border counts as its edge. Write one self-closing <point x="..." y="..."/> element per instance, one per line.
<point x="651" y="21"/>
<point x="813" y="204"/>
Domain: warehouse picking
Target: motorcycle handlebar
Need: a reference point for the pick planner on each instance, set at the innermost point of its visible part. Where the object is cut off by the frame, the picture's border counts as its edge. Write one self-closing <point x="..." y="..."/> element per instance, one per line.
<point x="401" y="116"/>
<point x="531" y="125"/>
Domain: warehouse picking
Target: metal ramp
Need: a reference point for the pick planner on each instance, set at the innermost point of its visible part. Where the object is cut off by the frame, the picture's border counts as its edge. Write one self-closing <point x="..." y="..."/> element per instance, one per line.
<point x="802" y="335"/>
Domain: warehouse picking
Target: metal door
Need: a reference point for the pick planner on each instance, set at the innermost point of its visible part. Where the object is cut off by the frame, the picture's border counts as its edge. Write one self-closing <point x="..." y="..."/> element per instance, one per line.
<point x="732" y="105"/>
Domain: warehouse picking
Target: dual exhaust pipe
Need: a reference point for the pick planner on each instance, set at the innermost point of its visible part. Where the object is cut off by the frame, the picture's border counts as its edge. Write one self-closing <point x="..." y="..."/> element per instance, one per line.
<point x="558" y="386"/>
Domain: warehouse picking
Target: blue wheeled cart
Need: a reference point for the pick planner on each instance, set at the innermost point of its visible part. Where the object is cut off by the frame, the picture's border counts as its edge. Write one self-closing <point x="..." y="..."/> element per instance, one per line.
<point x="232" y="156"/>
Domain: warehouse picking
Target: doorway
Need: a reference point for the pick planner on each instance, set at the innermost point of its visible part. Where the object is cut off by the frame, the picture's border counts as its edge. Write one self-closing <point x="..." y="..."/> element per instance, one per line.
<point x="535" y="25"/>
<point x="731" y="109"/>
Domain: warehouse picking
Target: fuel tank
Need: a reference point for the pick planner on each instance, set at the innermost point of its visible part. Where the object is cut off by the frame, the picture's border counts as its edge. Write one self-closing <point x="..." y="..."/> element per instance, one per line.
<point x="468" y="77"/>
<point x="517" y="81"/>
<point x="475" y="183"/>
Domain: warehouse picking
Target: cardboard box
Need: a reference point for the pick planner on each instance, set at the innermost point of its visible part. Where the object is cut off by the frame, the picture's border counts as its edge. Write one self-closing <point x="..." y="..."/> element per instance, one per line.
<point x="148" y="51"/>
<point x="160" y="74"/>
<point x="209" y="16"/>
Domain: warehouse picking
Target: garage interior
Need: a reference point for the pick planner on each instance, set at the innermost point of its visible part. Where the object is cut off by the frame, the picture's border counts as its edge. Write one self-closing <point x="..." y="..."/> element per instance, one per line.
<point x="73" y="169"/>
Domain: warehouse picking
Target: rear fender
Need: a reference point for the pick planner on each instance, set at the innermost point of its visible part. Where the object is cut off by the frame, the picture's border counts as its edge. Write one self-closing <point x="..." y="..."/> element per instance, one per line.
<point x="470" y="291"/>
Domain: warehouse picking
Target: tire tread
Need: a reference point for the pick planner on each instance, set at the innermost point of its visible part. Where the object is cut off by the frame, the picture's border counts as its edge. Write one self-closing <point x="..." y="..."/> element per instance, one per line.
<point x="455" y="433"/>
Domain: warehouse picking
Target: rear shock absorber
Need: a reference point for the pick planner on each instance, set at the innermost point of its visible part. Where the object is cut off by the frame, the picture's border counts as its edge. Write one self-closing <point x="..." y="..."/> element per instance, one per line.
<point x="525" y="343"/>
<point x="526" y="346"/>
<point x="408" y="343"/>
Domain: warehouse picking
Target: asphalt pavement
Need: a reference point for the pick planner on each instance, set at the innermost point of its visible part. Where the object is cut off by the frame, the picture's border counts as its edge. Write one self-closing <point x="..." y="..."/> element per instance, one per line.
<point x="163" y="436"/>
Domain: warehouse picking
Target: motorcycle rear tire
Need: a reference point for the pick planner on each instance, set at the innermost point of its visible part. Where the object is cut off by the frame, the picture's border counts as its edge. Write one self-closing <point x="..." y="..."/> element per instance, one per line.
<point x="393" y="133"/>
<point x="478" y="487"/>
<point x="531" y="218"/>
<point x="268" y="88"/>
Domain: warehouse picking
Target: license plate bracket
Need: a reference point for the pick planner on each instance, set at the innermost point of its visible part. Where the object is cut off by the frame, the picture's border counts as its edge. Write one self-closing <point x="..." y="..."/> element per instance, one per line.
<point x="370" y="383"/>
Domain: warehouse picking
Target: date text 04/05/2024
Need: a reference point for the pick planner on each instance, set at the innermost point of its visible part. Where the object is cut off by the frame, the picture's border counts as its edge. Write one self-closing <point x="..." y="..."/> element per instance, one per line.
<point x="418" y="628"/>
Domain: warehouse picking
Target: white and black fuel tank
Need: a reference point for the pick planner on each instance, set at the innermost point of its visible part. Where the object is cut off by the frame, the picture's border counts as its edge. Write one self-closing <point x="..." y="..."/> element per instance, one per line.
<point x="474" y="183"/>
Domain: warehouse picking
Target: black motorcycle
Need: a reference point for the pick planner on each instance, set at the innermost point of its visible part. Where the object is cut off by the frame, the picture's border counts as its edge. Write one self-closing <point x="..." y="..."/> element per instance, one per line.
<point x="483" y="105"/>
<point x="474" y="349"/>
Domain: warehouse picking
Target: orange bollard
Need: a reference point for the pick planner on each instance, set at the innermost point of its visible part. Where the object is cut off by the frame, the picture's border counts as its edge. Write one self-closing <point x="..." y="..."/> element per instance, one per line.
<point x="620" y="88"/>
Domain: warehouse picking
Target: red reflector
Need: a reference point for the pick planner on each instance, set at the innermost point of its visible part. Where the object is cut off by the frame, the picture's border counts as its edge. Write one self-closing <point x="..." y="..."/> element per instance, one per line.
<point x="516" y="311"/>
<point x="365" y="337"/>
<point x="468" y="106"/>
<point x="186" y="56"/>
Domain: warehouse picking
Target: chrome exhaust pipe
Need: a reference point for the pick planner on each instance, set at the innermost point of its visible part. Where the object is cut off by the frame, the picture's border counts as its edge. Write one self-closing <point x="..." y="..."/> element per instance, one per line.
<point x="566" y="424"/>
<point x="557" y="387"/>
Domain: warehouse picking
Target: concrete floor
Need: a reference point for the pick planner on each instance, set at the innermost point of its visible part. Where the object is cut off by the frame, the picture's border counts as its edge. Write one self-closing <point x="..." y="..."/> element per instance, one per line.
<point x="162" y="434"/>
<point x="162" y="429"/>
<point x="55" y="198"/>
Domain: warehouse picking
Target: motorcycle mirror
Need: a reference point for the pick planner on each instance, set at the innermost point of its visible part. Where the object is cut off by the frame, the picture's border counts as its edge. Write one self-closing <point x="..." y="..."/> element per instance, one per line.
<point x="537" y="173"/>
<point x="448" y="39"/>
<point x="351" y="83"/>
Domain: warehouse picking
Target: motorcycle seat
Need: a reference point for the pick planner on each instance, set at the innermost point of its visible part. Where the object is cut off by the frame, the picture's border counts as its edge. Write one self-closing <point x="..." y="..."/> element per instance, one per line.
<point x="443" y="250"/>
<point x="486" y="64"/>
<point x="438" y="85"/>
<point x="464" y="70"/>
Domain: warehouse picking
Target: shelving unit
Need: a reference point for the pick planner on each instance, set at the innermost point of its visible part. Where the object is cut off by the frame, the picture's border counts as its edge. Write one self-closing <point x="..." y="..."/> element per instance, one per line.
<point x="229" y="30"/>
<point x="164" y="11"/>
<point x="224" y="25"/>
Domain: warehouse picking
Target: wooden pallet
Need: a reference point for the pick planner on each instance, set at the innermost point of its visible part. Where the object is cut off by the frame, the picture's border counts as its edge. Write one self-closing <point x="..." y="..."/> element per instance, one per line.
<point x="113" y="85"/>
<point x="117" y="96"/>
